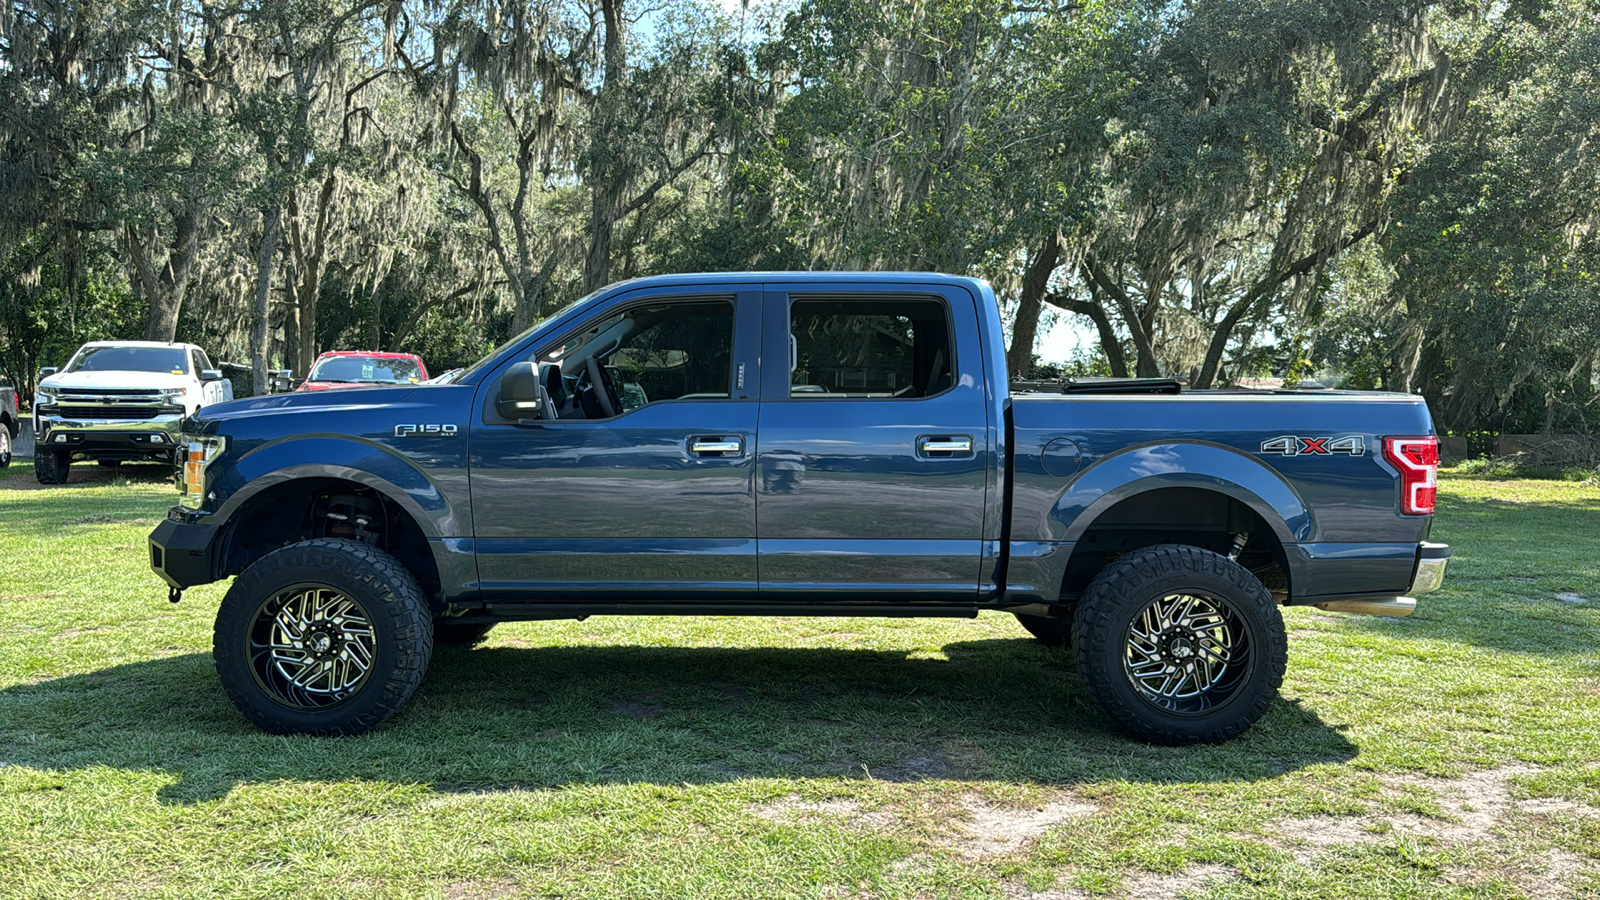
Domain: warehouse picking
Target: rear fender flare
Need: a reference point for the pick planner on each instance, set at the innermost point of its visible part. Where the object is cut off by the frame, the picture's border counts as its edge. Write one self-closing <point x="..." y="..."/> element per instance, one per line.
<point x="1190" y="464"/>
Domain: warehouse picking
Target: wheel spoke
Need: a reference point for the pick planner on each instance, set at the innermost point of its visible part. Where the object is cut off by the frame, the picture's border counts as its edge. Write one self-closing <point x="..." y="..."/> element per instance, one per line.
<point x="1181" y="649"/>
<point x="312" y="646"/>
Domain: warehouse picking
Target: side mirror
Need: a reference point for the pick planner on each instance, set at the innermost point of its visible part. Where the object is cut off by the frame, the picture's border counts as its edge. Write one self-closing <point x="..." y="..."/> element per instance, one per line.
<point x="47" y="371"/>
<point x="210" y="374"/>
<point x="522" y="396"/>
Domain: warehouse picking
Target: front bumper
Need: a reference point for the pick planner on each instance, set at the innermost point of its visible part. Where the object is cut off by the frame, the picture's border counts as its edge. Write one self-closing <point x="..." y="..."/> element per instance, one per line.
<point x="183" y="553"/>
<point x="153" y="438"/>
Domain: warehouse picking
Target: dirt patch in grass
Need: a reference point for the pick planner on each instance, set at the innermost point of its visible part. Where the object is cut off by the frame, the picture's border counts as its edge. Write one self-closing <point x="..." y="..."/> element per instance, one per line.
<point x="1151" y="886"/>
<point x="1142" y="886"/>
<point x="793" y="809"/>
<point x="992" y="829"/>
<point x="483" y="890"/>
<point x="1472" y="809"/>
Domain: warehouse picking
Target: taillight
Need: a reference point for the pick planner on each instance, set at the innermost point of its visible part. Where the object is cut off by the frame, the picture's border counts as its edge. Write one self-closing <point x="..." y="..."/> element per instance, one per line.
<point x="1417" y="459"/>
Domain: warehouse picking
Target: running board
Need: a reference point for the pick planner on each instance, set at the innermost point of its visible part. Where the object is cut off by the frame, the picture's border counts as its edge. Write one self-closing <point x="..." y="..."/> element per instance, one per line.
<point x="506" y="612"/>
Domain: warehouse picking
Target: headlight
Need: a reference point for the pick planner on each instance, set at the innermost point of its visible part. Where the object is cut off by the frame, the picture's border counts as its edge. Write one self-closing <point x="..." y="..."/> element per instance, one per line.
<point x="201" y="452"/>
<point x="46" y="395"/>
<point x="172" y="395"/>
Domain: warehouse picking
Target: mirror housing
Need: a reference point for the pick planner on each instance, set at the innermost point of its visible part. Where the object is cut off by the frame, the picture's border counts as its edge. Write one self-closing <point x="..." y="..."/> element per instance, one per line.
<point x="47" y="371"/>
<point x="210" y="374"/>
<point x="521" y="396"/>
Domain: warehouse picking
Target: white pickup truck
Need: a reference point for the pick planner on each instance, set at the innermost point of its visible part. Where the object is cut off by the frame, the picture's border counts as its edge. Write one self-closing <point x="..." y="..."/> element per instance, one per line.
<point x="119" y="400"/>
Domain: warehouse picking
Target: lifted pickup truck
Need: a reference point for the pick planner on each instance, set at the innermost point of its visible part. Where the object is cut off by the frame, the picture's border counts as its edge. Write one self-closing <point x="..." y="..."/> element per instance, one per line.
<point x="794" y="444"/>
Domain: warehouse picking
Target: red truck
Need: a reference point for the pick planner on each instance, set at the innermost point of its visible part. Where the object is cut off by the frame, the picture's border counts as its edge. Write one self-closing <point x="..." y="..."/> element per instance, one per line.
<point x="351" y="368"/>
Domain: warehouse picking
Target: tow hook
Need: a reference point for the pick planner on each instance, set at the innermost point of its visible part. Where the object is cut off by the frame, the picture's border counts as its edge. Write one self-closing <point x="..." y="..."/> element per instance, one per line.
<point x="174" y="595"/>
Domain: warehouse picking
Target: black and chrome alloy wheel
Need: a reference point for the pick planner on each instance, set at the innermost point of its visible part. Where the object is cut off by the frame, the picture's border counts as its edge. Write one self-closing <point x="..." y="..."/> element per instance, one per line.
<point x="311" y="646"/>
<point x="1186" y="653"/>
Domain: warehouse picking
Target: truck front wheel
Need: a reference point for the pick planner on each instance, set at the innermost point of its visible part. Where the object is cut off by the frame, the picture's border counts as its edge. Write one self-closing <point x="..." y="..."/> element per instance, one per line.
<point x="326" y="636"/>
<point x="51" y="466"/>
<point x="1180" y="645"/>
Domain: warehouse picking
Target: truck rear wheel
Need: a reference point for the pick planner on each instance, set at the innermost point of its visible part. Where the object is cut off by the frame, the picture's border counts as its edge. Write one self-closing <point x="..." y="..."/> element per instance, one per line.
<point x="326" y="636"/>
<point x="5" y="444"/>
<point x="51" y="467"/>
<point x="1180" y="645"/>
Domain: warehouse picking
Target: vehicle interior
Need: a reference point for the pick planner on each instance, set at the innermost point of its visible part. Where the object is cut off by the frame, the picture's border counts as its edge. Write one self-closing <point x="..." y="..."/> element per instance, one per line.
<point x="649" y="354"/>
<point x="869" y="348"/>
<point x="839" y="348"/>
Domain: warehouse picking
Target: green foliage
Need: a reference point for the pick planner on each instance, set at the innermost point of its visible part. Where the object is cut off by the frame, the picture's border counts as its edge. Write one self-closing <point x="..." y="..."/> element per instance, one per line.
<point x="1375" y="195"/>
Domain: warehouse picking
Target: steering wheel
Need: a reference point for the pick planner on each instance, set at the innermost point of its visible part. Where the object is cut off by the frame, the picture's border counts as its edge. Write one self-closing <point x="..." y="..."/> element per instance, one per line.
<point x="605" y="393"/>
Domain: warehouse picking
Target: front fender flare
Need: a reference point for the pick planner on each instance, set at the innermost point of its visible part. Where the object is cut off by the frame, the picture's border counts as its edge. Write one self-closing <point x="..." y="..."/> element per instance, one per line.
<point x="350" y="459"/>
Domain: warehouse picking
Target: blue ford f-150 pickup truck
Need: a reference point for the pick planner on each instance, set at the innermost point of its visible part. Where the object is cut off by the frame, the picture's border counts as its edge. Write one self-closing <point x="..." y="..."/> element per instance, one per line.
<point x="794" y="444"/>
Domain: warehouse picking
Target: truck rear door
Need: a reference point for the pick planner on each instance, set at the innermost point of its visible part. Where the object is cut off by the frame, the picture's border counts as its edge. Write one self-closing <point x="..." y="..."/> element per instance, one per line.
<point x="873" y="443"/>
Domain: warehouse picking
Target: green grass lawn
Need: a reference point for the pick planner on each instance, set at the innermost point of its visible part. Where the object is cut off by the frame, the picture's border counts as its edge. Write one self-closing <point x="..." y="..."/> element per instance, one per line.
<point x="1452" y="754"/>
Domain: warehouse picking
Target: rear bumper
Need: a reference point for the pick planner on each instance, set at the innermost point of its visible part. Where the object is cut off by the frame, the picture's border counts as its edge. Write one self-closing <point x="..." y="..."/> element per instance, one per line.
<point x="1427" y="576"/>
<point x="183" y="553"/>
<point x="1431" y="561"/>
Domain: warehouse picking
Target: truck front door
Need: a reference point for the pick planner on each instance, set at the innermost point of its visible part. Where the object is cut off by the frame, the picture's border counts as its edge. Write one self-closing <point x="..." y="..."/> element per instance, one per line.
<point x="874" y="444"/>
<point x="642" y="488"/>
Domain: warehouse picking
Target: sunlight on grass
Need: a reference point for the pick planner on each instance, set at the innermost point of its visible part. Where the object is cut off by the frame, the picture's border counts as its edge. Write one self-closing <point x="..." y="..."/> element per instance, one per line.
<point x="1450" y="754"/>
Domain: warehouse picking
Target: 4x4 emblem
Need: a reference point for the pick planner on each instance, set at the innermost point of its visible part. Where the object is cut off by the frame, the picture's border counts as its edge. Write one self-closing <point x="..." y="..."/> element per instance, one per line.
<point x="425" y="431"/>
<point x="1295" y="445"/>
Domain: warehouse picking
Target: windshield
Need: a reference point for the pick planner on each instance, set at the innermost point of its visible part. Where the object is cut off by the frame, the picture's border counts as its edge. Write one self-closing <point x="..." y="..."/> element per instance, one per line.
<point x="469" y="370"/>
<point x="130" y="359"/>
<point x="366" y="370"/>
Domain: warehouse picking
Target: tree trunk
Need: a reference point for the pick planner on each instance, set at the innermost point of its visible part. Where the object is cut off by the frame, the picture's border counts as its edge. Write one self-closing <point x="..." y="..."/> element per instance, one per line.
<point x="165" y="289"/>
<point x="1148" y="366"/>
<point x="1102" y="323"/>
<point x="265" y="252"/>
<point x="1025" y="328"/>
<point x="608" y="173"/>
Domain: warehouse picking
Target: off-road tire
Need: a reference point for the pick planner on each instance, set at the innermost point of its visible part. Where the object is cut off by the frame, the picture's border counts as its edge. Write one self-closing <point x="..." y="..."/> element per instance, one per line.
<point x="1105" y="653"/>
<point x="459" y="634"/>
<point x="386" y="593"/>
<point x="1050" y="631"/>
<point x="51" y="467"/>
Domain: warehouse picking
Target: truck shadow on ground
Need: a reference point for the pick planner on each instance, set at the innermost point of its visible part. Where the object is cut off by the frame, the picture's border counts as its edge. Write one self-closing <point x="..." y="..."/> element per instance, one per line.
<point x="497" y="718"/>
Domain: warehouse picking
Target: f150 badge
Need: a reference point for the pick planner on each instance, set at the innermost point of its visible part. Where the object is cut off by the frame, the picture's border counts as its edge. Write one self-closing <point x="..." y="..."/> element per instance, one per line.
<point x="425" y="431"/>
<point x="1294" y="445"/>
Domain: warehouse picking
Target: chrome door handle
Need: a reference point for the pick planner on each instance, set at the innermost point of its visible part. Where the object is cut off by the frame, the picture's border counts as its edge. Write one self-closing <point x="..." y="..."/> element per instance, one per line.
<point x="699" y="446"/>
<point x="951" y="445"/>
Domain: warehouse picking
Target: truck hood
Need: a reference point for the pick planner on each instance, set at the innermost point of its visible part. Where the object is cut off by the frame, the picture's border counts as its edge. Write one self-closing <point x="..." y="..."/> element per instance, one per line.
<point x="305" y="401"/>
<point x="125" y="380"/>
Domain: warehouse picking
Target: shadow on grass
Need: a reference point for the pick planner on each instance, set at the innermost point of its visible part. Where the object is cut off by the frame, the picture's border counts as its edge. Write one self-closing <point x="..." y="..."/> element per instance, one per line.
<point x="499" y="717"/>
<point x="88" y="474"/>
